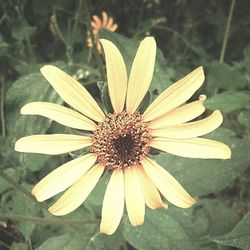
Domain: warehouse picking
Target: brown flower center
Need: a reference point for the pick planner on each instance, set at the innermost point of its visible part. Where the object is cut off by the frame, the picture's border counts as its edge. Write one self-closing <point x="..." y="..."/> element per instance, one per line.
<point x="122" y="140"/>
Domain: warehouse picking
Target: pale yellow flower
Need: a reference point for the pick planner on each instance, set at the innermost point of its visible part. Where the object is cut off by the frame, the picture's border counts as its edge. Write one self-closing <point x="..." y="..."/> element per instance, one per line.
<point x="120" y="142"/>
<point x="97" y="23"/>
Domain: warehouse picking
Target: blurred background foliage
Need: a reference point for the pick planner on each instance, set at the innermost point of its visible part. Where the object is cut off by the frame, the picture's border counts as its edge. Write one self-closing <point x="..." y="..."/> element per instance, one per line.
<point x="211" y="33"/>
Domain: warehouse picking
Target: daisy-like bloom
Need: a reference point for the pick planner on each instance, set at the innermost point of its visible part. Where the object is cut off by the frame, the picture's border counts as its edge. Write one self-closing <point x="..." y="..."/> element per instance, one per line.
<point x="97" y="23"/>
<point x="120" y="142"/>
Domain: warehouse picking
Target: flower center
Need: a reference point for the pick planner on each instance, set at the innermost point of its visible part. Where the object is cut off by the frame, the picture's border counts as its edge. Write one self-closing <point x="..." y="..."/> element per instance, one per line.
<point x="121" y="141"/>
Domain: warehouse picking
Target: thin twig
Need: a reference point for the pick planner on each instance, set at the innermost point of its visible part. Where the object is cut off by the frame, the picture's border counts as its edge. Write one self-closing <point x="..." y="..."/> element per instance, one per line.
<point x="97" y="55"/>
<point x="227" y="30"/>
<point x="185" y="41"/>
<point x="39" y="220"/>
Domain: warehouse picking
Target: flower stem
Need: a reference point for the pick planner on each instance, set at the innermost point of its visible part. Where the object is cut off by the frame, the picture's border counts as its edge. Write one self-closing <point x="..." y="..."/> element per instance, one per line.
<point x="227" y="31"/>
<point x="2" y="108"/>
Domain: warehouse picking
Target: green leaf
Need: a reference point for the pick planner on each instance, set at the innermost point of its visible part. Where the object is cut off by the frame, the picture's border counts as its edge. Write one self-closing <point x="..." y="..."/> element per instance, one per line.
<point x="19" y="246"/>
<point x="20" y="204"/>
<point x="4" y="185"/>
<point x="177" y="228"/>
<point x="64" y="242"/>
<point x="27" y="89"/>
<point x="219" y="218"/>
<point x="103" y="241"/>
<point x="205" y="176"/>
<point x="159" y="231"/>
<point x="239" y="236"/>
<point x="229" y="101"/>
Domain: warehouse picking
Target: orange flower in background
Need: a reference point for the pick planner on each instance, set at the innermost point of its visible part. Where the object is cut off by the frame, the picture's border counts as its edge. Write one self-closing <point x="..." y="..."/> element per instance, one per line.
<point x="120" y="142"/>
<point x="97" y="24"/>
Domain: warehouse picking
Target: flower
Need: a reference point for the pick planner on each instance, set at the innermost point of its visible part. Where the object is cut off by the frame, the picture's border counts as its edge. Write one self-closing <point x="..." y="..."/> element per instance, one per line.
<point x="120" y="141"/>
<point x="97" y="24"/>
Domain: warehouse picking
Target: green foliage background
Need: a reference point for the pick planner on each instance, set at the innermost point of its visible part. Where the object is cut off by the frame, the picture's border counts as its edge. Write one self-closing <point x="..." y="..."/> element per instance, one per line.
<point x="188" y="34"/>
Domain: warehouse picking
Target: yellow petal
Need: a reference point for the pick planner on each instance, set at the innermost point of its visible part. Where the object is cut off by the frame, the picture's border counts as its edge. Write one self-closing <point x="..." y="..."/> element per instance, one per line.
<point x="60" y="114"/>
<point x="134" y="197"/>
<point x="72" y="92"/>
<point x="63" y="177"/>
<point x="175" y="95"/>
<point x="191" y="129"/>
<point x="193" y="148"/>
<point x="78" y="192"/>
<point x="113" y="203"/>
<point x="167" y="184"/>
<point x="116" y="75"/>
<point x="52" y="144"/>
<point x="180" y="115"/>
<point x="151" y="195"/>
<point x="141" y="74"/>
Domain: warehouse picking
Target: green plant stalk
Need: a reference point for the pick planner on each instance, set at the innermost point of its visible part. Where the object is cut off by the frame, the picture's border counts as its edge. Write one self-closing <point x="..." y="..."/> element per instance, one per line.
<point x="78" y="13"/>
<point x="227" y="31"/>
<point x="2" y="109"/>
<point x="38" y="220"/>
<point x="4" y="244"/>
<point x="97" y="55"/>
<point x="27" y="193"/>
<point x="26" y="38"/>
<point x="20" y="188"/>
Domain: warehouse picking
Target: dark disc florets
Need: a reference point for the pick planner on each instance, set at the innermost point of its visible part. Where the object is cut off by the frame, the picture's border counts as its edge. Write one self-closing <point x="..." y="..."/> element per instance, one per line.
<point x="121" y="141"/>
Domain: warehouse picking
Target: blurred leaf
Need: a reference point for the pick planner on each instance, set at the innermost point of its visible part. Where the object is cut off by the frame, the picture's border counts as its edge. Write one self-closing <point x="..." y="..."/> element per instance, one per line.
<point x="21" y="29"/>
<point x="222" y="75"/>
<point x="239" y="236"/>
<point x="205" y="176"/>
<point x="229" y="101"/>
<point x="244" y="118"/>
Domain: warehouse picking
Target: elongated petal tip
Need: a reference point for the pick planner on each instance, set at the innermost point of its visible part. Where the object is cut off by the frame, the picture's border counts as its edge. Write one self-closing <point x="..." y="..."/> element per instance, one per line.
<point x="18" y="145"/>
<point x="192" y="201"/>
<point x="46" y="68"/>
<point x="227" y="153"/>
<point x="54" y="211"/>
<point x="202" y="97"/>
